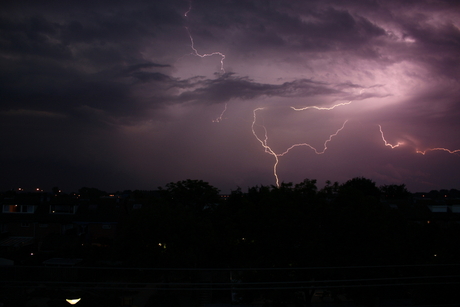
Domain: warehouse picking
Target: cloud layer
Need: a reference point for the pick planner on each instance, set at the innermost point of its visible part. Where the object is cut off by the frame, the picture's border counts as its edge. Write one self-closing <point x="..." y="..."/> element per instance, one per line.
<point x="122" y="96"/>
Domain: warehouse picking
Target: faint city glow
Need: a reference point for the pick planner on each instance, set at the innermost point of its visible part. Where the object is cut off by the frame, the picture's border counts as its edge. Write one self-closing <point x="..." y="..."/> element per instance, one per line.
<point x="72" y="301"/>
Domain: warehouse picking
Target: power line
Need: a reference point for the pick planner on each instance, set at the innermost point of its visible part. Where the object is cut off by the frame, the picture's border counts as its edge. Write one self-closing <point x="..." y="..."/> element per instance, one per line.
<point x="242" y="269"/>
<point x="280" y="285"/>
<point x="245" y="283"/>
<point x="126" y="287"/>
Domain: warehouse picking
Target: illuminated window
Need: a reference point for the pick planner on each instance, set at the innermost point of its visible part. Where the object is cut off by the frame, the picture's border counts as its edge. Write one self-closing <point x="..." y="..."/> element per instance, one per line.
<point x="18" y="209"/>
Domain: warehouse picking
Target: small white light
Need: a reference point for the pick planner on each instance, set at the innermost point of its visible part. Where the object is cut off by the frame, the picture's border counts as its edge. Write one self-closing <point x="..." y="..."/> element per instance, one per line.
<point x="72" y="301"/>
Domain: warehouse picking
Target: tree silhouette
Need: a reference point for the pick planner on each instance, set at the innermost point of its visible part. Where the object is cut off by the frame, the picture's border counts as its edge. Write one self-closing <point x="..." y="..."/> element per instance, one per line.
<point x="358" y="191"/>
<point x="195" y="194"/>
<point x="394" y="191"/>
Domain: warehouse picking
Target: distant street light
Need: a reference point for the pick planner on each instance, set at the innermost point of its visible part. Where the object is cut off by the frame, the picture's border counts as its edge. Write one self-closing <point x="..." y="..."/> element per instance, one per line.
<point x="72" y="301"/>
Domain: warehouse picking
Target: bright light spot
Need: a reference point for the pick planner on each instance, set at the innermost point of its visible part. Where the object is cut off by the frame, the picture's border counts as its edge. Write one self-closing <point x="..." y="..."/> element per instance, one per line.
<point x="409" y="40"/>
<point x="72" y="301"/>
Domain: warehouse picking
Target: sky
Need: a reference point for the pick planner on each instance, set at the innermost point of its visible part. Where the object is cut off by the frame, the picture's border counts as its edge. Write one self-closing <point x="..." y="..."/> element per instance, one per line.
<point x="136" y="94"/>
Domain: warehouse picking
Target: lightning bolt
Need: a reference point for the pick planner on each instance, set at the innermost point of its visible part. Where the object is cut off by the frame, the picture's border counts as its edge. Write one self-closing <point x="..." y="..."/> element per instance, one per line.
<point x="189" y="8"/>
<point x="264" y="140"/>
<point x="322" y="108"/>
<point x="219" y="119"/>
<point x="423" y="152"/>
<point x="385" y="141"/>
<point x="324" y="145"/>
<point x="265" y="146"/>
<point x="269" y="150"/>
<point x="195" y="52"/>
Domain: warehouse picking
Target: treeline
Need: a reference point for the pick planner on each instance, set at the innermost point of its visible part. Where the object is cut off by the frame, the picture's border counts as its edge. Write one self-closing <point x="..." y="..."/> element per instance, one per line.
<point x="349" y="231"/>
<point x="356" y="240"/>
<point x="187" y="224"/>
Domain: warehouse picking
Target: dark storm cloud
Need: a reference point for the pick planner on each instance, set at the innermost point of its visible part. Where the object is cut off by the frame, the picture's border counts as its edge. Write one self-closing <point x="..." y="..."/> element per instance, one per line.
<point x="95" y="71"/>
<point x="229" y="86"/>
<point x="430" y="27"/>
<point x="326" y="28"/>
<point x="307" y="27"/>
<point x="437" y="46"/>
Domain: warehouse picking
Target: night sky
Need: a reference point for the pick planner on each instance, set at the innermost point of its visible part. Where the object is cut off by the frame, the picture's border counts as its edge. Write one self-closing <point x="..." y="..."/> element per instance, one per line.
<point x="135" y="94"/>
